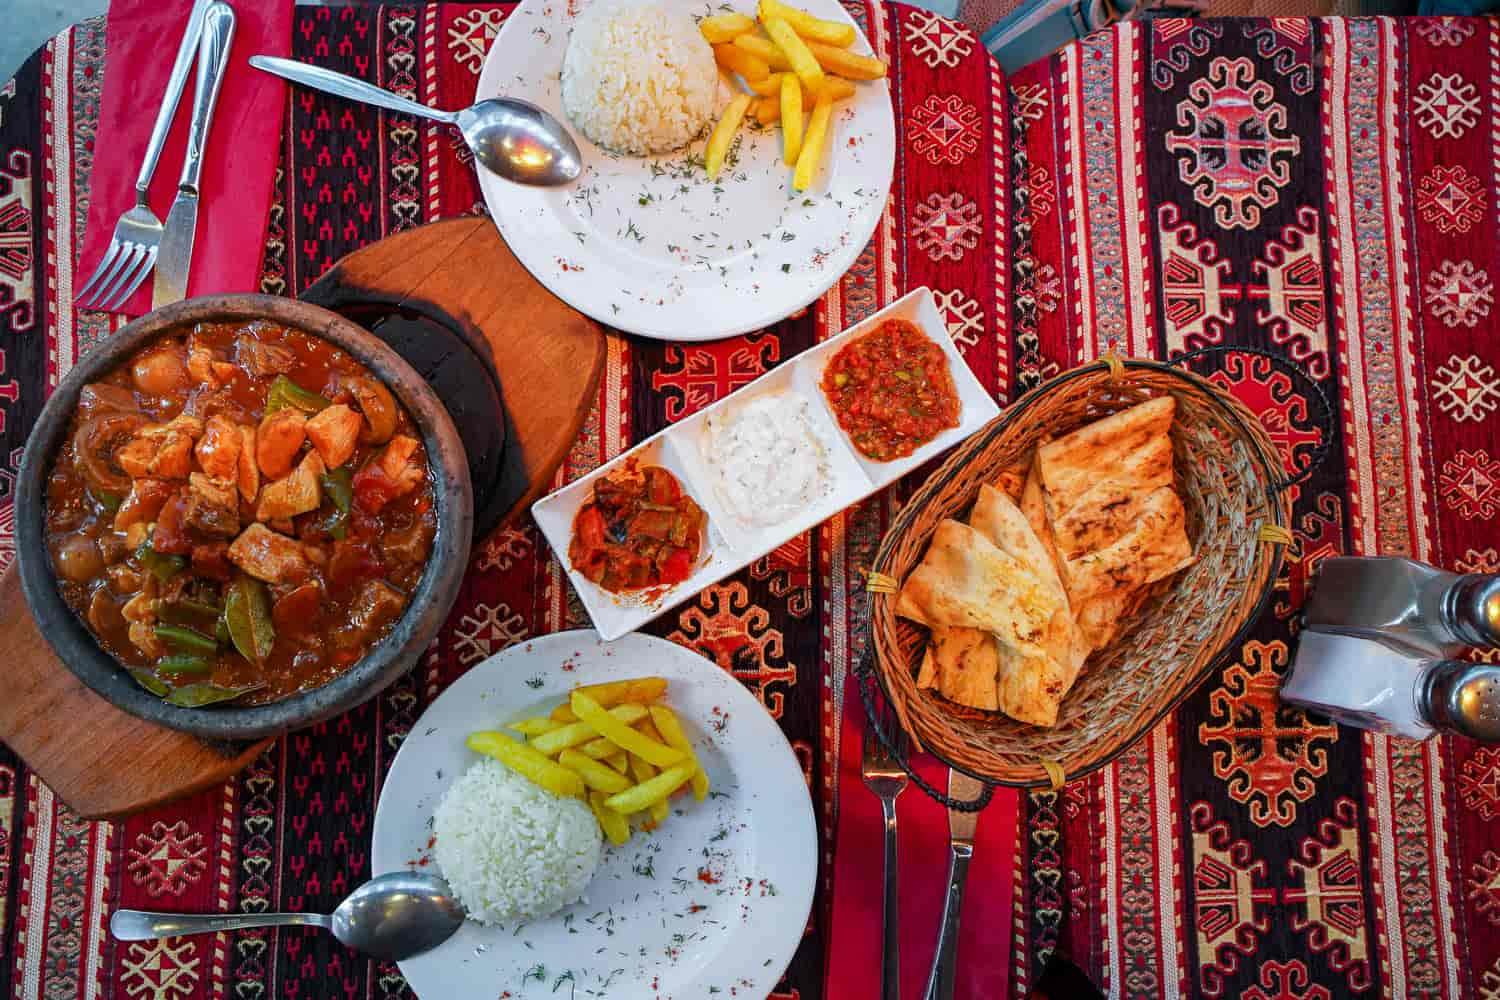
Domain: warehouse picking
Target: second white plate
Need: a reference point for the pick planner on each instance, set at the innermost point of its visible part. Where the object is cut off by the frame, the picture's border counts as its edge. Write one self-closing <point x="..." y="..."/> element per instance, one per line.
<point x="650" y="245"/>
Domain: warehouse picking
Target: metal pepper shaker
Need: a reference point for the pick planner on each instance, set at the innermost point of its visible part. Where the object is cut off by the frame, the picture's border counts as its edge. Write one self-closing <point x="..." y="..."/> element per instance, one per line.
<point x="1431" y="612"/>
<point x="1388" y="688"/>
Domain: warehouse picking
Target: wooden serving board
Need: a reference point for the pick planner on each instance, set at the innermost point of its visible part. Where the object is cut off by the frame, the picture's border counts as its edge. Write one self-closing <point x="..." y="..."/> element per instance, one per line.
<point x="105" y="763"/>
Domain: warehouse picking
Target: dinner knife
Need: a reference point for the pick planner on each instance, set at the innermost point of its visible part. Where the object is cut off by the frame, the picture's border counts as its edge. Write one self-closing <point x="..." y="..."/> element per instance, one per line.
<point x="961" y="827"/>
<point x="175" y="257"/>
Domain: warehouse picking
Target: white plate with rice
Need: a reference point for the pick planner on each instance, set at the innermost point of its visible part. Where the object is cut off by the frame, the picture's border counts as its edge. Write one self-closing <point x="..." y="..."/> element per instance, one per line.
<point x="717" y="897"/>
<point x="648" y="244"/>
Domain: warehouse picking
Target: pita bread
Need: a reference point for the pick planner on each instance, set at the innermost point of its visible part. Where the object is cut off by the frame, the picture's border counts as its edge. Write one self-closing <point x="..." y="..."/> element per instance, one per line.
<point x="1154" y="546"/>
<point x="1002" y="522"/>
<point x="1073" y="464"/>
<point x="964" y="580"/>
<point x="962" y="663"/>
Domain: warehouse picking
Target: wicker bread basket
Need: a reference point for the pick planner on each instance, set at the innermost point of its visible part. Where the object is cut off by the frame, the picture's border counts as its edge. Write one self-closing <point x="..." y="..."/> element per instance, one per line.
<point x="1230" y="478"/>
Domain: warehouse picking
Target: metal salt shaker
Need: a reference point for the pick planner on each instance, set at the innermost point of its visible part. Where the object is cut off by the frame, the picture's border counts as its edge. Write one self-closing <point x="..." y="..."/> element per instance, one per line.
<point x="1378" y="647"/>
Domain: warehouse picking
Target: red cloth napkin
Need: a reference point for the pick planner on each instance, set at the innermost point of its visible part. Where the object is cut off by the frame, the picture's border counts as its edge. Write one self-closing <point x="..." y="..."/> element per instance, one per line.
<point x="985" y="932"/>
<point x="240" y="165"/>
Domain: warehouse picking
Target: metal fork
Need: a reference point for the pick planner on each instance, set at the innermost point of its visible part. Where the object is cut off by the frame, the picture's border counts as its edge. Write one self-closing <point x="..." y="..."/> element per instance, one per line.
<point x="131" y="253"/>
<point x="884" y="775"/>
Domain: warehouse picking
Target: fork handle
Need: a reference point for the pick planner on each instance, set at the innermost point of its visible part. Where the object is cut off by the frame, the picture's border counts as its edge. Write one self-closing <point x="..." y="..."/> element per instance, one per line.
<point x="890" y="950"/>
<point x="169" y="101"/>
<point x="213" y="61"/>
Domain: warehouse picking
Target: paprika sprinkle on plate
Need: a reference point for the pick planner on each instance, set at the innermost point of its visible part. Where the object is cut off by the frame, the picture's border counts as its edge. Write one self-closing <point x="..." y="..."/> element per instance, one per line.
<point x="891" y="391"/>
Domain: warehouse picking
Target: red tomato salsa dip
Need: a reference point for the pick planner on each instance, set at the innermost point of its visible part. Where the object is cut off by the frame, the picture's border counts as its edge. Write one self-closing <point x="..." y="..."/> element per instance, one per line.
<point x="639" y="529"/>
<point x="891" y="391"/>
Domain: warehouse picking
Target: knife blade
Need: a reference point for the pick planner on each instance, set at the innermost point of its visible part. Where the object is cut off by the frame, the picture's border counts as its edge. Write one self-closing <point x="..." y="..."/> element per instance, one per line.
<point x="174" y="259"/>
<point x="962" y="826"/>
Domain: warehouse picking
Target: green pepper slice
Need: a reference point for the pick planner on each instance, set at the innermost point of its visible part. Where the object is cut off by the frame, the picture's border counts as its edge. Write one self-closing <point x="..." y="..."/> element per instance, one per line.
<point x="284" y="392"/>
<point x="186" y="640"/>
<point x="178" y="664"/>
<point x="187" y="611"/>
<point x="151" y="682"/>
<point x="161" y="566"/>
<point x="198" y="695"/>
<point x="338" y="485"/>
<point x="109" y="502"/>
<point x="247" y="612"/>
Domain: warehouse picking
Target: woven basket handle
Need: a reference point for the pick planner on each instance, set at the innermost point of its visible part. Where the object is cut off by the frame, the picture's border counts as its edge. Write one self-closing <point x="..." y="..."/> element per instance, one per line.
<point x="864" y="676"/>
<point x="1324" y="421"/>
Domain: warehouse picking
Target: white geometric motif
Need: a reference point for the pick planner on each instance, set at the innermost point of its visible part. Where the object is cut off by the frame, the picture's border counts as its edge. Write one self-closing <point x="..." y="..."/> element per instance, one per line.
<point x="1047" y="289"/>
<point x="487" y="631"/>
<point x="1031" y="101"/>
<point x="1477" y="561"/>
<point x="1467" y="388"/>
<point x="946" y="226"/>
<point x="1447" y="106"/>
<point x="1444" y="30"/>
<point x="168" y="859"/>
<point x="937" y="40"/>
<point x="1459" y="293"/>
<point x="504" y="549"/>
<point x="963" y="315"/>
<point x="469" y="36"/>
<point x="165" y="969"/>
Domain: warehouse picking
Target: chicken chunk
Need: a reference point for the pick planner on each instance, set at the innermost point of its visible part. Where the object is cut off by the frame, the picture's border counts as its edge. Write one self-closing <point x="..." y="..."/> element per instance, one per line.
<point x="218" y="450"/>
<point x="200" y="363"/>
<point x="143" y="637"/>
<point x="268" y="556"/>
<point x="261" y="359"/>
<point x="213" y="506"/>
<point x="247" y="472"/>
<point x="143" y="503"/>
<point x="276" y="442"/>
<point x="164" y="451"/>
<point x="376" y="604"/>
<point x="335" y="433"/>
<point x="293" y="494"/>
<point x="395" y="472"/>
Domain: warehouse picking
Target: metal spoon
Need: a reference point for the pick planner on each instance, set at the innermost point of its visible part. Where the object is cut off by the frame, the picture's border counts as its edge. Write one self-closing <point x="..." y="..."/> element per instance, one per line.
<point x="515" y="139"/>
<point x="395" y="916"/>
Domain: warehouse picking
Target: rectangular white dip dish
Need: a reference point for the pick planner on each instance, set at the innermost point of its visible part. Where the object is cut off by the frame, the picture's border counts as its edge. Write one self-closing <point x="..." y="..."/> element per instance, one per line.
<point x="729" y="544"/>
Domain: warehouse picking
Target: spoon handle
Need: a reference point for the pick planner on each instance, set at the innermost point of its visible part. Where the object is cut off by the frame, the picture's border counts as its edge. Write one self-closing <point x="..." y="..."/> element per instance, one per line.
<point x="141" y="925"/>
<point x="340" y="85"/>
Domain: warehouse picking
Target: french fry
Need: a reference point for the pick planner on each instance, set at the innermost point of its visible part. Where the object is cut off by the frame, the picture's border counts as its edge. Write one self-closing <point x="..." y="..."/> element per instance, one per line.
<point x="797" y="54"/>
<point x="665" y="721"/>
<point x="738" y="60"/>
<point x="722" y="28"/>
<point x="811" y="28"/>
<point x="810" y="157"/>
<point x="768" y="109"/>
<point x="836" y="87"/>
<point x="594" y="774"/>
<point x="615" y="826"/>
<point x="527" y="762"/>
<point x="642" y="771"/>
<point x="791" y="120"/>
<point x="643" y="795"/>
<point x="534" y="727"/>
<point x="635" y="691"/>
<point x="563" y="713"/>
<point x="769" y="87"/>
<point x="575" y="733"/>
<point x="618" y="760"/>
<point x="598" y="748"/>
<point x="713" y="160"/>
<point x="615" y="730"/>
<point x="846" y="63"/>
<point x="763" y="50"/>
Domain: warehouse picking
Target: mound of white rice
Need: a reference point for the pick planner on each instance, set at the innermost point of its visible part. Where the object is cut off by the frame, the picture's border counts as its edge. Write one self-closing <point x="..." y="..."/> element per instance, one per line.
<point x="638" y="78"/>
<point x="511" y="849"/>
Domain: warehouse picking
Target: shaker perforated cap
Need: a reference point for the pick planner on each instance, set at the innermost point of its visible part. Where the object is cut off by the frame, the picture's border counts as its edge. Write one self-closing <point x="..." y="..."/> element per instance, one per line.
<point x="1463" y="698"/>
<point x="1473" y="610"/>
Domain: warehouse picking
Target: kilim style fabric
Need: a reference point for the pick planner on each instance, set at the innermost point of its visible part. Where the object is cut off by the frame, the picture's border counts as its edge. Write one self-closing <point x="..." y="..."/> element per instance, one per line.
<point x="1324" y="189"/>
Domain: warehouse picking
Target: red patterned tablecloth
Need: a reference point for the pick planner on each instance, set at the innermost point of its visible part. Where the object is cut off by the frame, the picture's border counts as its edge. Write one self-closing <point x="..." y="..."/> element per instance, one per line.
<point x="1327" y="190"/>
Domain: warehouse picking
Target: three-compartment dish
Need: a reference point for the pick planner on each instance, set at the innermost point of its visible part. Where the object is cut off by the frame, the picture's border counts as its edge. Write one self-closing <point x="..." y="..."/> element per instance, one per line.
<point x="766" y="463"/>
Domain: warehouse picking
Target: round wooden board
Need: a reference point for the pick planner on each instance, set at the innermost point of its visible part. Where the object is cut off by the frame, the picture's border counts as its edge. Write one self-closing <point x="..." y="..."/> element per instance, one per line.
<point x="458" y="274"/>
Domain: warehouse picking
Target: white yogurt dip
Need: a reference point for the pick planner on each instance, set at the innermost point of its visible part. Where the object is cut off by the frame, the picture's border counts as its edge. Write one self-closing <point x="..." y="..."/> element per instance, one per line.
<point x="765" y="460"/>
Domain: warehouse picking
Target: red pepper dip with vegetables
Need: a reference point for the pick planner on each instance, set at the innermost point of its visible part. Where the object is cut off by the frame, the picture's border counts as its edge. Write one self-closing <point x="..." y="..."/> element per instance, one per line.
<point x="640" y="529"/>
<point x="891" y="391"/>
<point x="240" y="513"/>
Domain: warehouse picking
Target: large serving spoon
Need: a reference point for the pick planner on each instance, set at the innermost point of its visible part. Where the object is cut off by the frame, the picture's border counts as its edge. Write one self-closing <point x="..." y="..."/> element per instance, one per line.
<point x="515" y="139"/>
<point x="395" y="916"/>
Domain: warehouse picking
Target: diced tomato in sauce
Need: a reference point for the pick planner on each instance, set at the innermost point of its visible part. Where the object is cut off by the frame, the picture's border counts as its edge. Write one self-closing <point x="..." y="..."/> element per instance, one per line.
<point x="171" y="537"/>
<point x="638" y="530"/>
<point x="891" y="391"/>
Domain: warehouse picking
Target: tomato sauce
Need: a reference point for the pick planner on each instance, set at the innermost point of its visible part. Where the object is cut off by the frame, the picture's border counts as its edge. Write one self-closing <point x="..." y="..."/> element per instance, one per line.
<point x="891" y="391"/>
